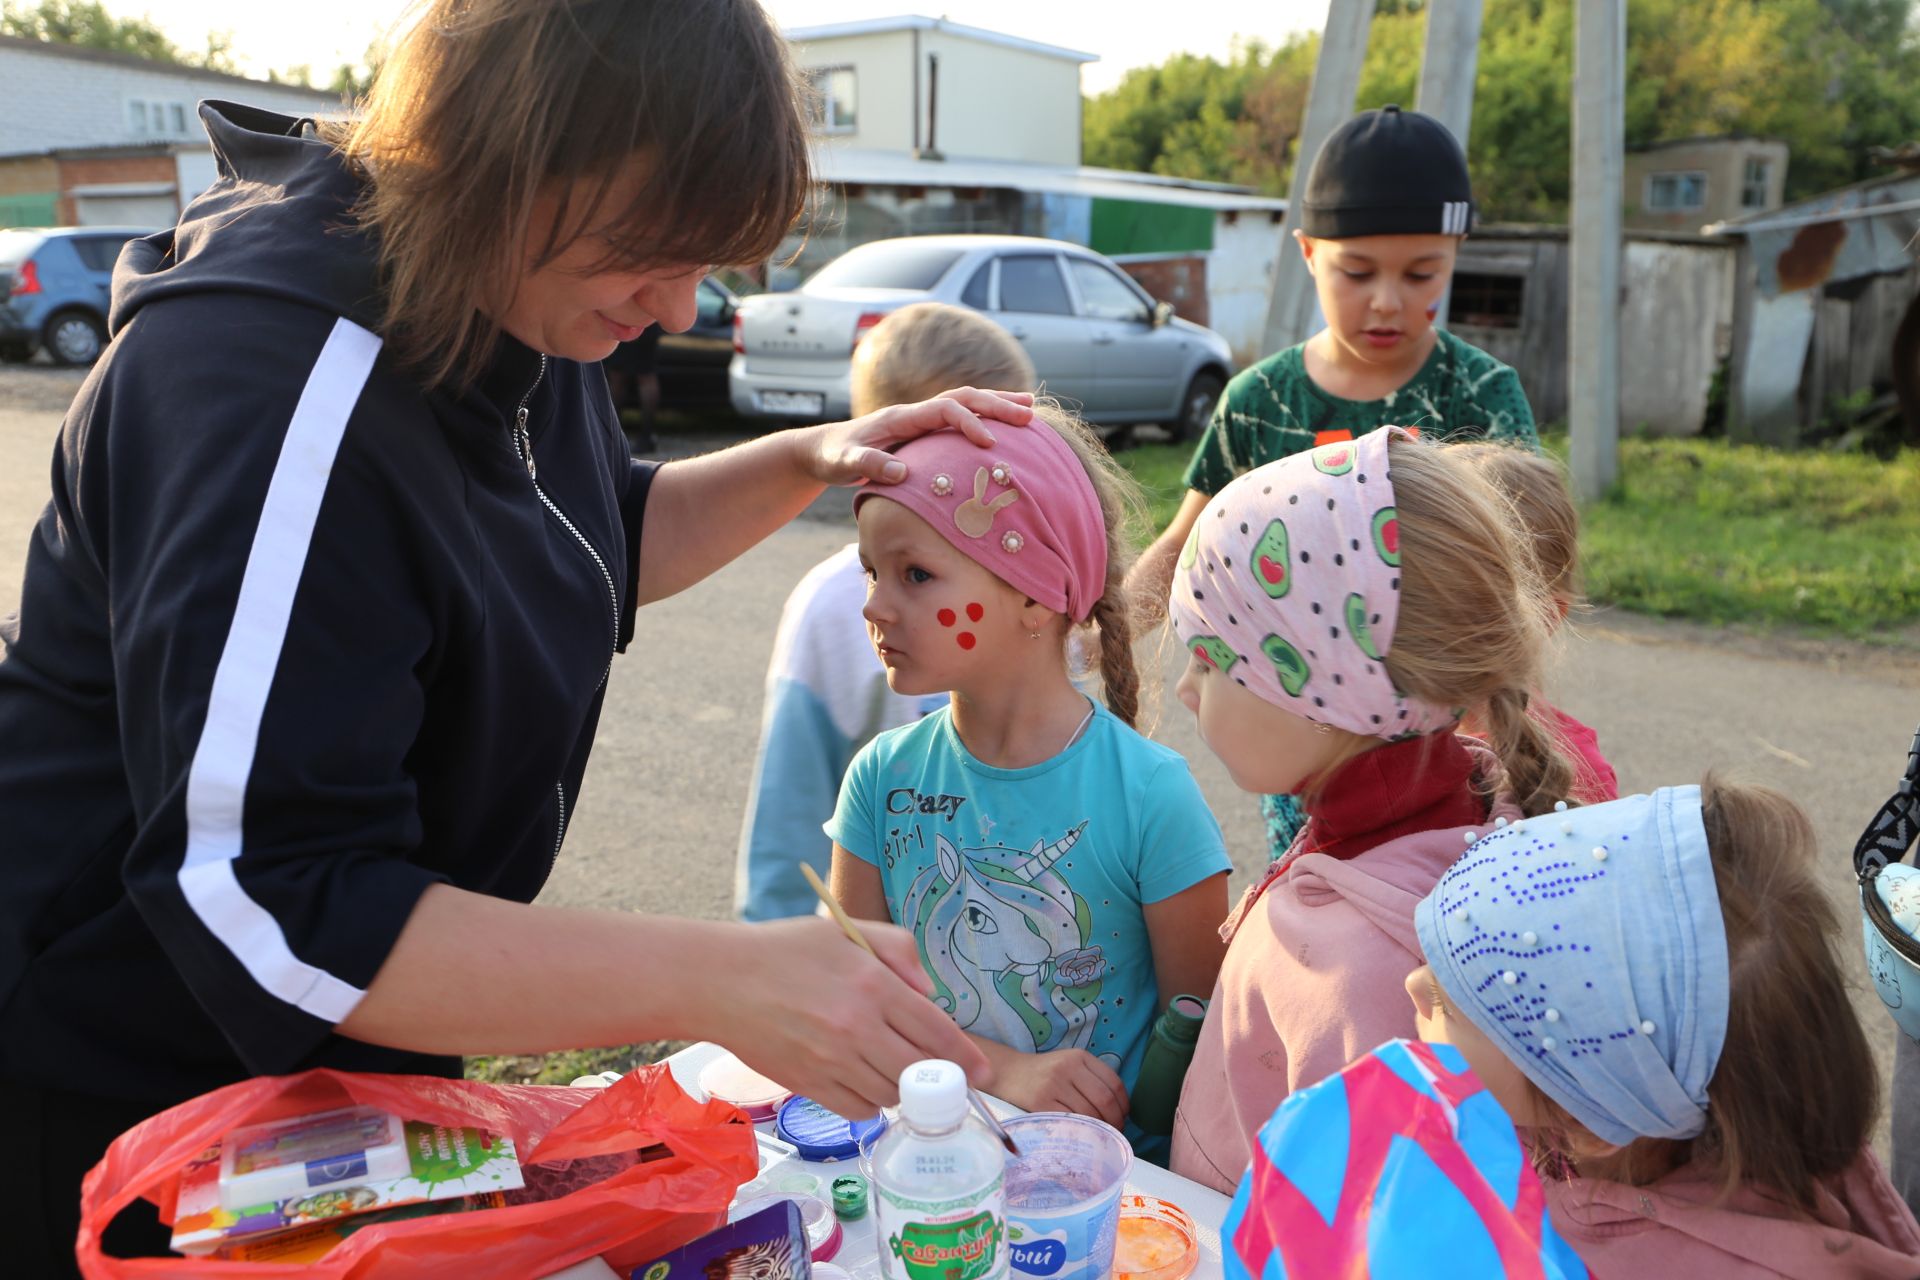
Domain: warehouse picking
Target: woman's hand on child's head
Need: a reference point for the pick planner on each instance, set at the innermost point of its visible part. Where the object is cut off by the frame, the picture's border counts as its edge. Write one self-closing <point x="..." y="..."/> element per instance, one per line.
<point x="827" y="1020"/>
<point x="1063" y="1080"/>
<point x="856" y="452"/>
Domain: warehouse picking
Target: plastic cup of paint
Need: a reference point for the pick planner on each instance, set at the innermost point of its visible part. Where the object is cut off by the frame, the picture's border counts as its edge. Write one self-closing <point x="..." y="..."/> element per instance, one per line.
<point x="868" y="1140"/>
<point x="727" y="1079"/>
<point x="1063" y="1195"/>
<point x="1157" y="1240"/>
<point x="824" y="1234"/>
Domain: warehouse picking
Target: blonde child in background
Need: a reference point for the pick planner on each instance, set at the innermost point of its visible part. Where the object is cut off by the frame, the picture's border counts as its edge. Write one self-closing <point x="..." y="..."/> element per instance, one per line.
<point x="1062" y="873"/>
<point x="1649" y="988"/>
<point x="1342" y="608"/>
<point x="1549" y="523"/>
<point x="827" y="692"/>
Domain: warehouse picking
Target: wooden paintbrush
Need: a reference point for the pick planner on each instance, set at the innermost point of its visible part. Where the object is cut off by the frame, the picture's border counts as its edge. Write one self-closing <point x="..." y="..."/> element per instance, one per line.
<point x="860" y="939"/>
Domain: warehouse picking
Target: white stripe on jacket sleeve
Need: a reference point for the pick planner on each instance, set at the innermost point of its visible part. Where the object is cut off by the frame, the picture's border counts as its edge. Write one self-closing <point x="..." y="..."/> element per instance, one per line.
<point x="223" y="760"/>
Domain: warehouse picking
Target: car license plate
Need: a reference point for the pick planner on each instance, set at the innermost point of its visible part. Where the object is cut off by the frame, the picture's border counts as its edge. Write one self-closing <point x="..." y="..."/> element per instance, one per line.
<point x="800" y="402"/>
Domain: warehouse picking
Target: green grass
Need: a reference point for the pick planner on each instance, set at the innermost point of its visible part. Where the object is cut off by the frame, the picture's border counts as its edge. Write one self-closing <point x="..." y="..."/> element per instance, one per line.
<point x="1159" y="468"/>
<point x="1737" y="533"/>
<point x="565" y="1068"/>
<point x="1722" y="533"/>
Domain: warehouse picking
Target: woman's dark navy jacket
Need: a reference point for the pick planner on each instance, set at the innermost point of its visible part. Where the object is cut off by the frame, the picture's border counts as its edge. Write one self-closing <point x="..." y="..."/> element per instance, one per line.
<point x="297" y="639"/>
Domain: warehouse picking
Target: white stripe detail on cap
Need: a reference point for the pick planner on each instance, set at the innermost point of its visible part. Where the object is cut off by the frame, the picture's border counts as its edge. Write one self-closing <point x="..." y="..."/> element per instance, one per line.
<point x="1453" y="218"/>
<point x="223" y="760"/>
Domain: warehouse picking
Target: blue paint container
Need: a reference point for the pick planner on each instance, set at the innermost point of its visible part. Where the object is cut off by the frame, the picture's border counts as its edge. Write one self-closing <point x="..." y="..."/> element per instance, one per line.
<point x="820" y="1135"/>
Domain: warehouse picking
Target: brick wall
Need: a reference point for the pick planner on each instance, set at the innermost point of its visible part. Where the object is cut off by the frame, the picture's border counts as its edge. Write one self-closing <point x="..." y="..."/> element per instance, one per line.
<point x="1181" y="281"/>
<point x="28" y="175"/>
<point x="87" y="171"/>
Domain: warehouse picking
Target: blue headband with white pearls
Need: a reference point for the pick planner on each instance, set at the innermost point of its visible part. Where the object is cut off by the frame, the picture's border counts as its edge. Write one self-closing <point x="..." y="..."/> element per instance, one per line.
<point x="1588" y="945"/>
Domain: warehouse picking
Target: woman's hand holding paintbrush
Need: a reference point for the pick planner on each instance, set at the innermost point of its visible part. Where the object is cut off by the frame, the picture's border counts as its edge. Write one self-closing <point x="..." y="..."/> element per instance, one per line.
<point x="855" y="934"/>
<point x="814" y="1002"/>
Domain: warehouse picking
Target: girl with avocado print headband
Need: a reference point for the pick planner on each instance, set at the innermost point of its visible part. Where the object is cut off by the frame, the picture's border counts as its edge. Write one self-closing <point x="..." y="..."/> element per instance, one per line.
<point x="1342" y="609"/>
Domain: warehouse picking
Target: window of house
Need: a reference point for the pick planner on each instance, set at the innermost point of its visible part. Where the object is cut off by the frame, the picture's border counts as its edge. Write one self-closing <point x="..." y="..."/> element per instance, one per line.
<point x="835" y="99"/>
<point x="137" y="116"/>
<point x="1488" y="301"/>
<point x="1753" y="185"/>
<point x="1031" y="282"/>
<point x="179" y="111"/>
<point x="1677" y="192"/>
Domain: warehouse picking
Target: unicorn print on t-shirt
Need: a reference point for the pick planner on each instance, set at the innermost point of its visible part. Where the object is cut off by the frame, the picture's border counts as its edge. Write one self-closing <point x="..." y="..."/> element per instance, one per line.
<point x="1005" y="939"/>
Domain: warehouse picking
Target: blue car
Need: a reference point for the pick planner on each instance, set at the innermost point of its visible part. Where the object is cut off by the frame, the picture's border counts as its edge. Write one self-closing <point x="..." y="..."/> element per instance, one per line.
<point x="53" y="290"/>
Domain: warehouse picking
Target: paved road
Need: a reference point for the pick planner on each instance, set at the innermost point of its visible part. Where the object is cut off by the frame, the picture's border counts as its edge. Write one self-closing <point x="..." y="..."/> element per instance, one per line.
<point x="656" y="827"/>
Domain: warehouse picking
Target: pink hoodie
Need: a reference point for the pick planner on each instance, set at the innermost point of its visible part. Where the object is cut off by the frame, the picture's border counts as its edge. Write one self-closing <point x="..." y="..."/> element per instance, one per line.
<point x="1673" y="1228"/>
<point x="1317" y="958"/>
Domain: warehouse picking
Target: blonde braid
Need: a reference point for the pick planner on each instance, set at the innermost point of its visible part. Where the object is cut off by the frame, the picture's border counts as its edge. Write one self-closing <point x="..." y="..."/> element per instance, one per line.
<point x="1118" y="674"/>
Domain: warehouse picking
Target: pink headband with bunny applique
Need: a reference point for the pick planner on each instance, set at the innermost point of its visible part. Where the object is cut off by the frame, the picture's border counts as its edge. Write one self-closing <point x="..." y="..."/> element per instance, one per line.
<point x="1023" y="509"/>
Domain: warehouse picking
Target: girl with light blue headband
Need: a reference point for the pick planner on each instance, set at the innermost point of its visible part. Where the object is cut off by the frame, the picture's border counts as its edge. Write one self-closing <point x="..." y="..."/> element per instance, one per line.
<point x="1649" y="988"/>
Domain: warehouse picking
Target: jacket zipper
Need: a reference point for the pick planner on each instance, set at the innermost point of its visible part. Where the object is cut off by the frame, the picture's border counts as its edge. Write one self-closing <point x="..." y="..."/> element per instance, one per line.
<point x="560" y="823"/>
<point x="523" y="446"/>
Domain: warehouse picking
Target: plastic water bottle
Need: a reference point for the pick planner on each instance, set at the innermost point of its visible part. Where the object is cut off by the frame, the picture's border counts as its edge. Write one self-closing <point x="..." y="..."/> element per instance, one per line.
<point x="939" y="1182"/>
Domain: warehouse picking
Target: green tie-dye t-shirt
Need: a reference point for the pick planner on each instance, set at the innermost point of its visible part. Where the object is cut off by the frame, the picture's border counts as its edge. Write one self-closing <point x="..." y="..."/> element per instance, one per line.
<point x="1273" y="410"/>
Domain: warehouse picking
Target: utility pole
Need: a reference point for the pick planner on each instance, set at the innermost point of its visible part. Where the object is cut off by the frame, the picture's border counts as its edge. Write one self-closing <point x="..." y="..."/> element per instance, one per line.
<point x="1446" y="76"/>
<point x="1593" y="319"/>
<point x="1336" y="81"/>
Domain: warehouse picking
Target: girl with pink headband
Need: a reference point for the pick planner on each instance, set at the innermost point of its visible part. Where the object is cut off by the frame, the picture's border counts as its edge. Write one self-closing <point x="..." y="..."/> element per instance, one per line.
<point x="1342" y="609"/>
<point x="1062" y="874"/>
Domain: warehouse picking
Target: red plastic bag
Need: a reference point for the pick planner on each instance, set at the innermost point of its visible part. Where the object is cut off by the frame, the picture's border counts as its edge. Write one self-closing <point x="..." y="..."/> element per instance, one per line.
<point x="635" y="1215"/>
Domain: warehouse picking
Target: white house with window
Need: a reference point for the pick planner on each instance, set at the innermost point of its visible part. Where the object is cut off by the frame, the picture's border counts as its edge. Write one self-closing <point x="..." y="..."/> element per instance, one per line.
<point x="929" y="127"/>
<point x="1687" y="183"/>
<point x="92" y="137"/>
<point x="931" y="87"/>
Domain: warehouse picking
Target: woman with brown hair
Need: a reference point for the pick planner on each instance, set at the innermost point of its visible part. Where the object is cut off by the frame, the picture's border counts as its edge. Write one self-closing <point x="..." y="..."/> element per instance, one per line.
<point x="342" y="539"/>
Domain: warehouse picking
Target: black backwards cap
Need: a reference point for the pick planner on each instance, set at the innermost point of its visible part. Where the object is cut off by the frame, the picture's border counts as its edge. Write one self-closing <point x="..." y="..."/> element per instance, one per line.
<point x="1387" y="173"/>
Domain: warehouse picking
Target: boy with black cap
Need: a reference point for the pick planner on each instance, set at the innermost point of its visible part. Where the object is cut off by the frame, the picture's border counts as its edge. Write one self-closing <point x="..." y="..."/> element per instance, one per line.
<point x="1387" y="203"/>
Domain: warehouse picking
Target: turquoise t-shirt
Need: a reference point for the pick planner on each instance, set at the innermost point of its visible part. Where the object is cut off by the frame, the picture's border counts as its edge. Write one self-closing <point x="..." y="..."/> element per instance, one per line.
<point x="1026" y="887"/>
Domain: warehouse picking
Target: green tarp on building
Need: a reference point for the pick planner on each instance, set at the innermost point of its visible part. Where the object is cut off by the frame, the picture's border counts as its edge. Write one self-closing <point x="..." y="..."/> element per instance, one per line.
<point x="1141" y="226"/>
<point x="32" y="210"/>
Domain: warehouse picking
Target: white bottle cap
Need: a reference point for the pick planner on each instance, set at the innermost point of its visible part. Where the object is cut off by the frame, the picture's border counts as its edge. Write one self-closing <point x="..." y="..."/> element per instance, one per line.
<point x="933" y="1094"/>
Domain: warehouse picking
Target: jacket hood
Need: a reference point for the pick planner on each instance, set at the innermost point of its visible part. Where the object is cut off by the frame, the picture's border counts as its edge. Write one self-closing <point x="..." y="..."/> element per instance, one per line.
<point x="281" y="208"/>
<point x="1862" y="1231"/>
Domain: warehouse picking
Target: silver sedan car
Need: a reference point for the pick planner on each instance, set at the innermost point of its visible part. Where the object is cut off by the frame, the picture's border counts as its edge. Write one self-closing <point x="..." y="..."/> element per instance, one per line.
<point x="1097" y="340"/>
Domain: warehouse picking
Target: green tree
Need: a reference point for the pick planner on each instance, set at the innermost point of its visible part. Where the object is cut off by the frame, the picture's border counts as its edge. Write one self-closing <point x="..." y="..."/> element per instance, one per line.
<point x="1831" y="78"/>
<point x="88" y="24"/>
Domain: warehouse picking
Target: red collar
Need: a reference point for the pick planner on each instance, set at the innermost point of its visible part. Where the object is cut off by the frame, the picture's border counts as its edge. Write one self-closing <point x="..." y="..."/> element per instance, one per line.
<point x="1421" y="784"/>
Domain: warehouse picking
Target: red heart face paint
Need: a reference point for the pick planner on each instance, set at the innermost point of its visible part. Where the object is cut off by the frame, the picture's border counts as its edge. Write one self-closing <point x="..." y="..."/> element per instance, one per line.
<point x="975" y="612"/>
<point x="966" y="639"/>
<point x="946" y="617"/>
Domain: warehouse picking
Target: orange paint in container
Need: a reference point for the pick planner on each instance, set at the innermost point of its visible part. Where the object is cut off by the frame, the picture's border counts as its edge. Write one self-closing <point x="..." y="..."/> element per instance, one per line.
<point x="1157" y="1241"/>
